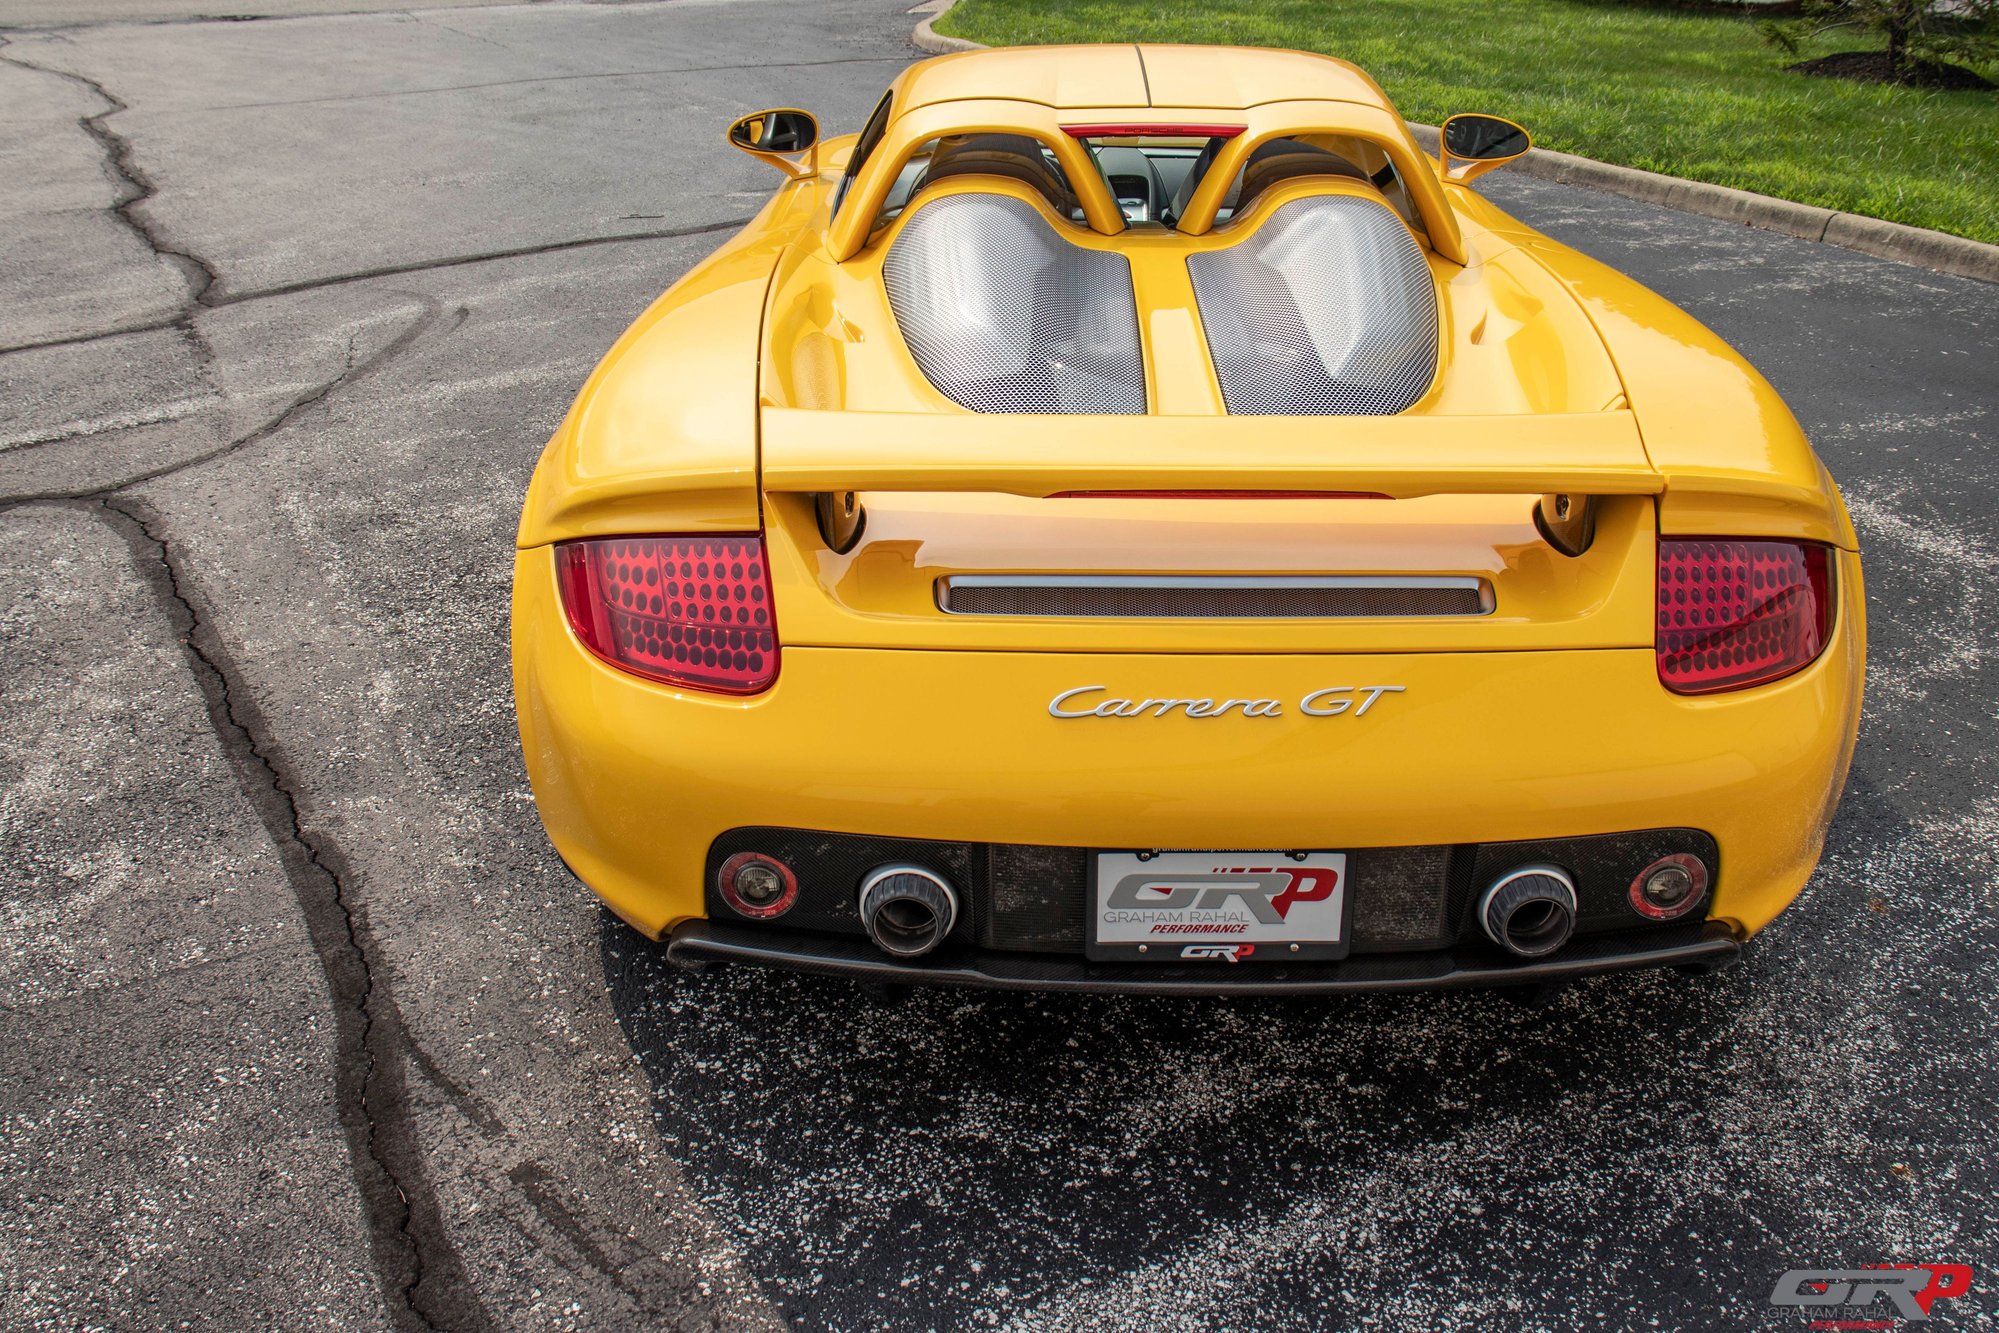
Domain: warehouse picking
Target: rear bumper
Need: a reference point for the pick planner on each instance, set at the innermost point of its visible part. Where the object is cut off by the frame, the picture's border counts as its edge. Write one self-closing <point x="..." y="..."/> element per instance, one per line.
<point x="635" y="781"/>
<point x="1705" y="946"/>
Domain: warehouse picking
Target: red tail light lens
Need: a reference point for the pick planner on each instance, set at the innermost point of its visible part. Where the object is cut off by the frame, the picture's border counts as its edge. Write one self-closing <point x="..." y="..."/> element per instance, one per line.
<point x="1156" y="131"/>
<point x="692" y="611"/>
<point x="1739" y="613"/>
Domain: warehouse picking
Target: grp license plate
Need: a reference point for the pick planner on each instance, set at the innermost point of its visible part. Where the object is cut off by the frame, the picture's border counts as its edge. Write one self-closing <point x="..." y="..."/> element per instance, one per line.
<point x="1217" y="907"/>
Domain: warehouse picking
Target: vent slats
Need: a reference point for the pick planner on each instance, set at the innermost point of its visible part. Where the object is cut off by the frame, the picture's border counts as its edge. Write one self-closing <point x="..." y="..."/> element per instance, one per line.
<point x="1172" y="597"/>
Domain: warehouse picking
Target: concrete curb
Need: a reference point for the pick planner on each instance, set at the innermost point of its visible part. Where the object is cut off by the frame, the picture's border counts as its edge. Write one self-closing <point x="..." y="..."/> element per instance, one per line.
<point x="1936" y="250"/>
<point x="1850" y="231"/>
<point x="936" y="43"/>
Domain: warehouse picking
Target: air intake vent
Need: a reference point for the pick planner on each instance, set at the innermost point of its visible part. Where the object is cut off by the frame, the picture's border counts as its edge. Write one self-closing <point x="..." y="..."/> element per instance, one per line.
<point x="1168" y="597"/>
<point x="1003" y="315"/>
<point x="1327" y="309"/>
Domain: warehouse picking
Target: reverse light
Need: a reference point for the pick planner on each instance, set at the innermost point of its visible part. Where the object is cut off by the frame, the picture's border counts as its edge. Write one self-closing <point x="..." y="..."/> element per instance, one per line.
<point x="757" y="886"/>
<point x="1670" y="887"/>
<point x="1734" y="613"/>
<point x="693" y="611"/>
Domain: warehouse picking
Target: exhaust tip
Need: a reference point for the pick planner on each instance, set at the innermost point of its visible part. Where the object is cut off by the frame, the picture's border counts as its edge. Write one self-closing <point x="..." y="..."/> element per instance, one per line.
<point x="1529" y="912"/>
<point x="907" y="910"/>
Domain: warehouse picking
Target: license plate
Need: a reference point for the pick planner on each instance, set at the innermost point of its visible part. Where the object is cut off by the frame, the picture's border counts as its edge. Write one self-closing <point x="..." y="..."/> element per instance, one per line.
<point x="1217" y="907"/>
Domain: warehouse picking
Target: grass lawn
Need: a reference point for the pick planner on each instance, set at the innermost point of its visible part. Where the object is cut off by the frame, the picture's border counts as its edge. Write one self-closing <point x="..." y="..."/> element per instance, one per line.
<point x="1685" y="92"/>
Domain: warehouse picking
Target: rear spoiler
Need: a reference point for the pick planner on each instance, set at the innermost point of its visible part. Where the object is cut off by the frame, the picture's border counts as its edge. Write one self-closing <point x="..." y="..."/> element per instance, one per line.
<point x="1574" y="458"/>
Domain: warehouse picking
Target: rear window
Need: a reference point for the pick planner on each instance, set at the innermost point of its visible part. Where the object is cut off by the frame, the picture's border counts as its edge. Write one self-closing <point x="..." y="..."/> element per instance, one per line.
<point x="1149" y="174"/>
<point x="871" y="137"/>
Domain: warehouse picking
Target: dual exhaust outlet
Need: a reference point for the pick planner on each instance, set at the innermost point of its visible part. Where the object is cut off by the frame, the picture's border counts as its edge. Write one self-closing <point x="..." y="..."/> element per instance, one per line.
<point x="1529" y="912"/>
<point x="908" y="910"/>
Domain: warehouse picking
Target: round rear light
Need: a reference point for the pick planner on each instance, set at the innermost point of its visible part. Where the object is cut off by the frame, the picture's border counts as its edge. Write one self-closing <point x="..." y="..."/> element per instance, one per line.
<point x="757" y="886"/>
<point x="1670" y="887"/>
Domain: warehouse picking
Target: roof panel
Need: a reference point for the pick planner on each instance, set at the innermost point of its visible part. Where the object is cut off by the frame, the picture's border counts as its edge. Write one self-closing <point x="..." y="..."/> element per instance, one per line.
<point x="1231" y="78"/>
<point x="1064" y="77"/>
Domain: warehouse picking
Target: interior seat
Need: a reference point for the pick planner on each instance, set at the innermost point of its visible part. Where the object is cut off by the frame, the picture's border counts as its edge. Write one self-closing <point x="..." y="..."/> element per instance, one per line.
<point x="1277" y="160"/>
<point x="1016" y="157"/>
<point x="1287" y="159"/>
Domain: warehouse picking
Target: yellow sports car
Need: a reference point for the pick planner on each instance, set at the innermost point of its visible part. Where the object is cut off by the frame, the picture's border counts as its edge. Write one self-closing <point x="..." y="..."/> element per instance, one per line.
<point x="1131" y="519"/>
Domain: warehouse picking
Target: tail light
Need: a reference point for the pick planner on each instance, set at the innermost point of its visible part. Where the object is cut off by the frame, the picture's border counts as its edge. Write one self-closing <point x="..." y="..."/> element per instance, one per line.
<point x="1738" y="613"/>
<point x="691" y="611"/>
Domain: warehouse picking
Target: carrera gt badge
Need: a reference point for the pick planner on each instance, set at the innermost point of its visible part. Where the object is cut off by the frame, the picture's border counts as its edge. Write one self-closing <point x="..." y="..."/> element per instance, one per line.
<point x="1330" y="702"/>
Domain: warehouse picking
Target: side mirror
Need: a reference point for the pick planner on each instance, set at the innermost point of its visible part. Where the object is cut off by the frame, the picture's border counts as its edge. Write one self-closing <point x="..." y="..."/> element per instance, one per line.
<point x="1471" y="145"/>
<point x="786" y="138"/>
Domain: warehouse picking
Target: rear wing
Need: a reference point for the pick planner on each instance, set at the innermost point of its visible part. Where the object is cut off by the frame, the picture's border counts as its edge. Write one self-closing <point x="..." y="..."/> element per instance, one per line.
<point x="1567" y="460"/>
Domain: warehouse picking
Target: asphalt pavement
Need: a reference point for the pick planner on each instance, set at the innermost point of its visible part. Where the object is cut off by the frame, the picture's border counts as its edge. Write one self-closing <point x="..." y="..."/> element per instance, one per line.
<point x="306" y="1027"/>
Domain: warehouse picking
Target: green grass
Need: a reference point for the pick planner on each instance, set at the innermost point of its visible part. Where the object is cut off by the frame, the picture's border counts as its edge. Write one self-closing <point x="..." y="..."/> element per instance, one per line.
<point x="1685" y="92"/>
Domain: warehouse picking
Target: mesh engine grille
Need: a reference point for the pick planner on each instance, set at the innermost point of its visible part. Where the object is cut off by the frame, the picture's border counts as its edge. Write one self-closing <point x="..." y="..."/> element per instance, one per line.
<point x="1400" y="898"/>
<point x="1218" y="599"/>
<point x="1003" y="315"/>
<point x="1035" y="897"/>
<point x="1327" y="309"/>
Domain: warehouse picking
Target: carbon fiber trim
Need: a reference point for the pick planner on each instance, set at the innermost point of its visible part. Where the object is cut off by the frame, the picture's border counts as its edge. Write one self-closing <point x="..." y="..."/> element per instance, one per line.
<point x="1699" y="946"/>
<point x="1018" y="897"/>
<point x="1327" y="309"/>
<point x="1003" y="315"/>
<point x="1602" y="867"/>
<point x="1168" y="597"/>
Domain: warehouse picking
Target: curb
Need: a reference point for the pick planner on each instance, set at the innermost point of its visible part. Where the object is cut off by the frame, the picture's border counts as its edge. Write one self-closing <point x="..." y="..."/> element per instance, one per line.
<point x="927" y="38"/>
<point x="1935" y="250"/>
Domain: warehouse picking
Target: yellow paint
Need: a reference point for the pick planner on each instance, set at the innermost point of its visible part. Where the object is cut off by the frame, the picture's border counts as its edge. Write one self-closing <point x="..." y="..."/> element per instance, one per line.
<point x="774" y="369"/>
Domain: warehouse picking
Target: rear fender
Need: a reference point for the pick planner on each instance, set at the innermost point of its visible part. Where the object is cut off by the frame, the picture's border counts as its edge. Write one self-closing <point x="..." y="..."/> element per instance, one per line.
<point x="663" y="436"/>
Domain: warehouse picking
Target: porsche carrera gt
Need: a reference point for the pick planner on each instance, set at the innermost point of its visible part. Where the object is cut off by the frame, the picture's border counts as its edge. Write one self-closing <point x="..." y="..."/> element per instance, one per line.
<point x="1131" y="518"/>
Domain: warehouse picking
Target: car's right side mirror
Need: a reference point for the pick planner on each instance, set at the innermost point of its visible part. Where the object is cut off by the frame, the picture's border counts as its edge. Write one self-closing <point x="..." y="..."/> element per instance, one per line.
<point x="1470" y="145"/>
<point x="786" y="138"/>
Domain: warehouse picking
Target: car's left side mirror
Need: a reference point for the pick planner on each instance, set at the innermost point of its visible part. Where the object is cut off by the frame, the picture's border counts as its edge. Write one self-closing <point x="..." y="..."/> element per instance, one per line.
<point x="787" y="138"/>
<point x="1471" y="145"/>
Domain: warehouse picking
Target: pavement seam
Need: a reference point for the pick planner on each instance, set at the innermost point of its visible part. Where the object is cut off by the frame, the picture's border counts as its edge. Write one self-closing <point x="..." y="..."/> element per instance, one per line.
<point x="205" y="287"/>
<point x="406" y="1234"/>
<point x="483" y="257"/>
<point x="134" y="189"/>
<point x="353" y="371"/>
<point x="386" y="271"/>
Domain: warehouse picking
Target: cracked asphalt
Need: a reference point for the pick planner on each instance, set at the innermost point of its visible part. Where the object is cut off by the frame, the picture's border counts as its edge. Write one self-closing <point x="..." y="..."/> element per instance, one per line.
<point x="305" y="1026"/>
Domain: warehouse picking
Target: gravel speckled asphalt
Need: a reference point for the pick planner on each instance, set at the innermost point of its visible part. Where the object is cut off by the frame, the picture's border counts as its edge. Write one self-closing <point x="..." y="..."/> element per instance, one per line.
<point x="305" y="1026"/>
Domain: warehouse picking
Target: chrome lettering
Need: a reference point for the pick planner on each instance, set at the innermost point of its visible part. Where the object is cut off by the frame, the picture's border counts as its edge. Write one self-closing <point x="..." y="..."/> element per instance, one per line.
<point x="1055" y="704"/>
<point x="1332" y="701"/>
<point x="1338" y="706"/>
<point x="1375" y="692"/>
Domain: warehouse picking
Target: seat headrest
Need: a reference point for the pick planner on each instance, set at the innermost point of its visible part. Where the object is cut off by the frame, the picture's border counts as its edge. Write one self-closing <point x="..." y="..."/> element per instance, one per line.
<point x="1288" y="159"/>
<point x="1017" y="157"/>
